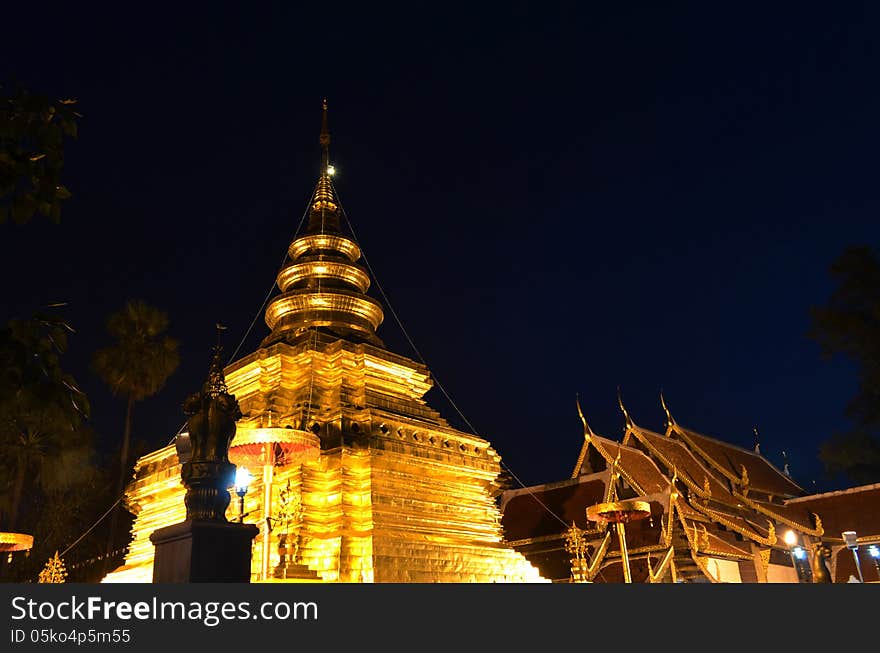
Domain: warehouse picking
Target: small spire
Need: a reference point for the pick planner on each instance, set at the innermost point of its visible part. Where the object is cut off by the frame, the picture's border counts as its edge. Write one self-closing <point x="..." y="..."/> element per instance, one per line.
<point x="629" y="422"/>
<point x="670" y="422"/>
<point x="757" y="441"/>
<point x="216" y="383"/>
<point x="785" y="469"/>
<point x="588" y="432"/>
<point x="325" y="140"/>
<point x="324" y="216"/>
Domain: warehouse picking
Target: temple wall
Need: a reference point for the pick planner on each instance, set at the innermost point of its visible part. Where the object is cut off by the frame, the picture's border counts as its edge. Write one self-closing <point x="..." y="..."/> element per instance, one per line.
<point x="724" y="571"/>
<point x="781" y="574"/>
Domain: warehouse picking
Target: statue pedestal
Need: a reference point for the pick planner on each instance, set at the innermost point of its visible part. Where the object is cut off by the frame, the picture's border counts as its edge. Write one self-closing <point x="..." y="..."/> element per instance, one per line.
<point x="200" y="551"/>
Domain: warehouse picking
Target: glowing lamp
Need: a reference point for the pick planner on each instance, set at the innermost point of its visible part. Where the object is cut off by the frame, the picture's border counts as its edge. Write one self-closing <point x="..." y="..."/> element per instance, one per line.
<point x="790" y="538"/>
<point x="852" y="543"/>
<point x="799" y="552"/>
<point x="850" y="539"/>
<point x="874" y="551"/>
<point x="243" y="480"/>
<point x="331" y="170"/>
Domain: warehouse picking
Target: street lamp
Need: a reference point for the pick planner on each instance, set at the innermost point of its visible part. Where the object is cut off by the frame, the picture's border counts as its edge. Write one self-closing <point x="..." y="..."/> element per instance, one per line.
<point x="798" y="554"/>
<point x="874" y="550"/>
<point x="243" y="479"/>
<point x="852" y="543"/>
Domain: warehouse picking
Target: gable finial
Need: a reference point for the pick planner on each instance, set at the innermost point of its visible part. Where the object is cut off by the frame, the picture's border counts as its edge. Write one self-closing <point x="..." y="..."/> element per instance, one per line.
<point x="757" y="441"/>
<point x="670" y="421"/>
<point x="626" y="417"/>
<point x="588" y="432"/>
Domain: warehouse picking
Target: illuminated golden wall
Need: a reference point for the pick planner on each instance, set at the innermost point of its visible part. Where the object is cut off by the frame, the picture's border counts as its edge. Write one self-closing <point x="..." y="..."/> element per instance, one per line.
<point x="395" y="494"/>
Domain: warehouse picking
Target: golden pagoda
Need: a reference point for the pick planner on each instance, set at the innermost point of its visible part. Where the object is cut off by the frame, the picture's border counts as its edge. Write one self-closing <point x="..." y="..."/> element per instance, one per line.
<point x="357" y="479"/>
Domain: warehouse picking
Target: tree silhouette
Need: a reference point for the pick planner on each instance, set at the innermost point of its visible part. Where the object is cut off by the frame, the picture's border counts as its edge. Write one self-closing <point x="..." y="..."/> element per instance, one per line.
<point x="43" y="441"/>
<point x="32" y="133"/>
<point x="850" y="325"/>
<point x="138" y="364"/>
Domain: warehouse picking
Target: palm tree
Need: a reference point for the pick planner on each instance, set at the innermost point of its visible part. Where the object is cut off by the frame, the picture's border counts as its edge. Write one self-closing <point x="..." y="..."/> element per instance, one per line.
<point x="138" y="364"/>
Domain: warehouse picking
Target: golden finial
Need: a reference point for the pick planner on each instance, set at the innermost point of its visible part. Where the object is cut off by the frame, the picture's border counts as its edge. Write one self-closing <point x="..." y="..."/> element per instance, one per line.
<point x="705" y="535"/>
<point x="588" y="432"/>
<point x="744" y="476"/>
<point x="771" y="532"/>
<point x="626" y="417"/>
<point x="670" y="422"/>
<point x="325" y="140"/>
<point x="707" y="489"/>
<point x="819" y="528"/>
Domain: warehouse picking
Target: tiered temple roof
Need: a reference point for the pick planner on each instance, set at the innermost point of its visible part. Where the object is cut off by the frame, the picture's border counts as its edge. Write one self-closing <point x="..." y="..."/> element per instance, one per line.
<point x="718" y="510"/>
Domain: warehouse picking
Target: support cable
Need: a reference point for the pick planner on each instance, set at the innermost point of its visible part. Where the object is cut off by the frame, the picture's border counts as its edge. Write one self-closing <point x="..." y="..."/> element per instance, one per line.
<point x="422" y="360"/>
<point x="231" y="358"/>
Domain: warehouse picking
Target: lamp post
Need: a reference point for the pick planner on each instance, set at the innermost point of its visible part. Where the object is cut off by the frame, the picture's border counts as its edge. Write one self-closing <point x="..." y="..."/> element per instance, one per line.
<point x="798" y="555"/>
<point x="243" y="479"/>
<point x="874" y="550"/>
<point x="852" y="543"/>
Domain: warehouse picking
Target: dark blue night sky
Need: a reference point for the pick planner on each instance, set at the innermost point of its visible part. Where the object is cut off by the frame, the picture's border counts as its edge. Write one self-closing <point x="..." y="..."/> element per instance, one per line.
<point x="556" y="198"/>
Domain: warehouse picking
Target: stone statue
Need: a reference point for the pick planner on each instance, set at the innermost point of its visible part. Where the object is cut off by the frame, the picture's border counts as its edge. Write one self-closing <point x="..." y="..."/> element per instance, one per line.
<point x="208" y="473"/>
<point x="820" y="564"/>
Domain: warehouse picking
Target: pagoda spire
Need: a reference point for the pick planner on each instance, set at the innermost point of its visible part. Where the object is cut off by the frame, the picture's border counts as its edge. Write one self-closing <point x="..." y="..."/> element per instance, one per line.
<point x="323" y="285"/>
<point x="324" y="212"/>
<point x="325" y="141"/>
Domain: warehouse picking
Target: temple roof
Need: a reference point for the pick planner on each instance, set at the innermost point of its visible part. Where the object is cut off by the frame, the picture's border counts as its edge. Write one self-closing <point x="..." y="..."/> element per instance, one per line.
<point x="675" y="455"/>
<point x="637" y="468"/>
<point x="730" y="460"/>
<point x="729" y="503"/>
<point x="754" y="527"/>
<point x="795" y="515"/>
<point x="707" y="540"/>
<point x="856" y="509"/>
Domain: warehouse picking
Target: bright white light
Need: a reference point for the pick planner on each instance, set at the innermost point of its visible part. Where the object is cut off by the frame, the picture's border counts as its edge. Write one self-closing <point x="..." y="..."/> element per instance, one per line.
<point x="790" y="538"/>
<point x="800" y="553"/>
<point x="850" y="539"/>
<point x="331" y="170"/>
<point x="243" y="479"/>
<point x="874" y="551"/>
